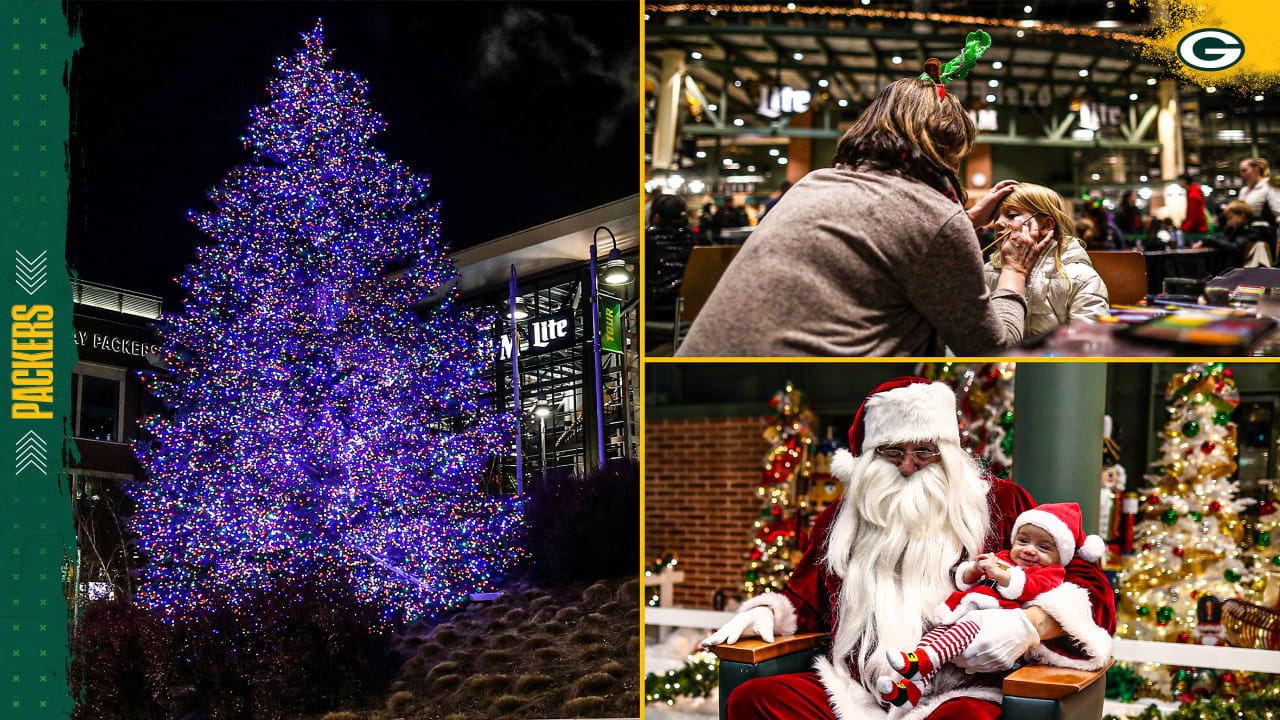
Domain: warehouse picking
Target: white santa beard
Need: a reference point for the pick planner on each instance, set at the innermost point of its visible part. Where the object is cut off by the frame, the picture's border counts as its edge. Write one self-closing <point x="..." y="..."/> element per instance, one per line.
<point x="901" y="536"/>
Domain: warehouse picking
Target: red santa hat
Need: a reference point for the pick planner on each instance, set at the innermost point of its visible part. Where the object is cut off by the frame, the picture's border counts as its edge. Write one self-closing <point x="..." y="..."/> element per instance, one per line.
<point x="905" y="409"/>
<point x="1062" y="521"/>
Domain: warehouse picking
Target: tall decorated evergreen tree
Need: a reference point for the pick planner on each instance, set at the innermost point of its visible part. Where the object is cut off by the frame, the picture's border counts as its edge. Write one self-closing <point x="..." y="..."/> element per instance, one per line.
<point x="1187" y="558"/>
<point x="319" y="428"/>
<point x="775" y="536"/>
<point x="984" y="394"/>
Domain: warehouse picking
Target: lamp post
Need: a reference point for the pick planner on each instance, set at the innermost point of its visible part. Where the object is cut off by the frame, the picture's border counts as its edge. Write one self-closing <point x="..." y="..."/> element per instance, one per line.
<point x="542" y="411"/>
<point x="595" y="348"/>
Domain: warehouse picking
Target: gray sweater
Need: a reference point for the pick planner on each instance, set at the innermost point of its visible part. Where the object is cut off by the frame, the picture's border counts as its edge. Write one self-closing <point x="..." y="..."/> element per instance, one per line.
<point x="857" y="263"/>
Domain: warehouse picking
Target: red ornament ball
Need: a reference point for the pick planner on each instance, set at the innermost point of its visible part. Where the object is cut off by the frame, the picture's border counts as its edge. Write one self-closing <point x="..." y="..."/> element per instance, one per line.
<point x="1215" y="506"/>
<point x="1146" y="546"/>
<point x="1228" y="372"/>
<point x="1207" y="448"/>
<point x="1153" y="499"/>
<point x="1266" y="508"/>
<point x="1184" y="637"/>
<point x="775" y="510"/>
<point x="1178" y="551"/>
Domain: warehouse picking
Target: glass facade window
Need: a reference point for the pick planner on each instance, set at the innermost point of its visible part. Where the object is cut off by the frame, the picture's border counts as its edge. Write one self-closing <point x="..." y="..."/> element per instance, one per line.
<point x="95" y="407"/>
<point x="557" y="379"/>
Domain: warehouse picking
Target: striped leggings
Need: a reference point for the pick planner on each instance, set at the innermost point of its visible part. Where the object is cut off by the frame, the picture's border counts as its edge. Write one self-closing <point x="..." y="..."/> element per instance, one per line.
<point x="945" y="642"/>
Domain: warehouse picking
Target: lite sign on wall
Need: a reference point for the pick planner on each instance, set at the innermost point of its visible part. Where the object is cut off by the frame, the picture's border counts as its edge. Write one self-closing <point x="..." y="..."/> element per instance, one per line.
<point x="776" y="100"/>
<point x="541" y="334"/>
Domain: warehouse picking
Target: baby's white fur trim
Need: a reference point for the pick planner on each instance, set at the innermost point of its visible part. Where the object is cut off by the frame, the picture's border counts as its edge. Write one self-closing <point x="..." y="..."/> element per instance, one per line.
<point x="969" y="603"/>
<point x="960" y="571"/>
<point x="1069" y="605"/>
<point x="785" y="617"/>
<point x="1017" y="583"/>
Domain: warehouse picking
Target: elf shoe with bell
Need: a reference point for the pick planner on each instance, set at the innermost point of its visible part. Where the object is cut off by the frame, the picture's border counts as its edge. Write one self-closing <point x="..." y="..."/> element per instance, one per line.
<point x="900" y="693"/>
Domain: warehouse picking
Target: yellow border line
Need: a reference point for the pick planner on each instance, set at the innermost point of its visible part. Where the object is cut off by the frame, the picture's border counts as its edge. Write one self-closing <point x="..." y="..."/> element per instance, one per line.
<point x="644" y="286"/>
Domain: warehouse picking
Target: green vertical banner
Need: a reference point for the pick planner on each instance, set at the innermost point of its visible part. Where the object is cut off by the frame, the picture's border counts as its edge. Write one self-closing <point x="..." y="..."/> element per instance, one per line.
<point x="611" y="327"/>
<point x="36" y="531"/>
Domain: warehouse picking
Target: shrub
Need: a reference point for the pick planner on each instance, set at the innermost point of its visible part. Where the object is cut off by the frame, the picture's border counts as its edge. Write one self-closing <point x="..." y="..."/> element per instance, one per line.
<point x="546" y="654"/>
<point x="446" y="683"/>
<point x="584" y="528"/>
<point x="505" y="703"/>
<point x="589" y="706"/>
<point x="493" y="658"/>
<point x="595" y="684"/>
<point x="399" y="703"/>
<point x="445" y="668"/>
<point x="531" y="683"/>
<point x="299" y="646"/>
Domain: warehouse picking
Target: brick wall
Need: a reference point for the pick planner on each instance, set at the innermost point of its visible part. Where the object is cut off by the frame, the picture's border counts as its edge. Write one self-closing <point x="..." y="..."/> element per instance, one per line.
<point x="700" y="499"/>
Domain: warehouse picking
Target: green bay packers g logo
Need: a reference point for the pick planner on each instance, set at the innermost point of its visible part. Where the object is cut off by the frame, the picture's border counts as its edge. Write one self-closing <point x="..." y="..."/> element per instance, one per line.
<point x="1210" y="49"/>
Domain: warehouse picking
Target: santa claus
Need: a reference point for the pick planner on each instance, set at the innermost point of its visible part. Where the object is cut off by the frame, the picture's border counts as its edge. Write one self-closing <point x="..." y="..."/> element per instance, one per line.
<point x="882" y="560"/>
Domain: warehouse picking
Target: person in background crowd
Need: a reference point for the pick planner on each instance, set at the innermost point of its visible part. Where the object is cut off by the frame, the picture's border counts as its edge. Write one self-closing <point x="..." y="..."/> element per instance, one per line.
<point x="786" y="185"/>
<point x="707" y="227"/>
<point x="1088" y="233"/>
<point x="1261" y="194"/>
<point x="1247" y="240"/>
<point x="668" y="242"/>
<point x="1128" y="217"/>
<point x="648" y="206"/>
<point x="1107" y="234"/>
<point x="730" y="215"/>
<point x="1195" y="221"/>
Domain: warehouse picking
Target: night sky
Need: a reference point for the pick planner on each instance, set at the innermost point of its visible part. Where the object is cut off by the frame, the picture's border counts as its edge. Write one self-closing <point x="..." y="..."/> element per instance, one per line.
<point x="519" y="114"/>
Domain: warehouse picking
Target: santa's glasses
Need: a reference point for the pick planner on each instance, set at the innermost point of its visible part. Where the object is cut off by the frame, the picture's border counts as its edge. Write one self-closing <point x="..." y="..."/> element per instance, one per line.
<point x="896" y="454"/>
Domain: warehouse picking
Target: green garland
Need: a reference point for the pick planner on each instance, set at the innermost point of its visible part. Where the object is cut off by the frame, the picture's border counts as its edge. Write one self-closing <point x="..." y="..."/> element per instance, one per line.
<point x="1258" y="704"/>
<point x="697" y="678"/>
<point x="655" y="568"/>
<point x="1126" y="684"/>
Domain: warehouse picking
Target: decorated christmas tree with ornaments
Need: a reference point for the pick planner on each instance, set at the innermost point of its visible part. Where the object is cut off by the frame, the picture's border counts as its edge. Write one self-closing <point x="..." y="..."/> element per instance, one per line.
<point x="984" y="396"/>
<point x="1264" y="551"/>
<point x="788" y="465"/>
<point x="318" y="428"/>
<point x="1187" y="559"/>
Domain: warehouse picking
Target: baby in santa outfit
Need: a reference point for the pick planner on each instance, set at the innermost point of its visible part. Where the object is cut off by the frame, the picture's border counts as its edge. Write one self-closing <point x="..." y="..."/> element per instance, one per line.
<point x="1045" y="539"/>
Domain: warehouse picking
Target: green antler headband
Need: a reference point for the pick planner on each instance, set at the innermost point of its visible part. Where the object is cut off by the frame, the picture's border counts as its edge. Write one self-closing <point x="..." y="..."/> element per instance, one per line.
<point x="958" y="67"/>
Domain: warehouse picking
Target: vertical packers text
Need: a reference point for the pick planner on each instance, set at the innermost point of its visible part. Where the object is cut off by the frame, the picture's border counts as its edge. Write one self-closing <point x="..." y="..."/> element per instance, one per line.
<point x="31" y="362"/>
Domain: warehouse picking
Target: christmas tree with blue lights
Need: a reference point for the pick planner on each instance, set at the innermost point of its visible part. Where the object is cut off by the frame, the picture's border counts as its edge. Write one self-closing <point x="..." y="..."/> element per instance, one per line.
<point x="318" y="427"/>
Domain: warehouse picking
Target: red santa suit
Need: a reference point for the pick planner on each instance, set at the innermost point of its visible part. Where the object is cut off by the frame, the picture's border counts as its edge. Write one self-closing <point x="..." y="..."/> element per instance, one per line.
<point x="1025" y="584"/>
<point x="1083" y="605"/>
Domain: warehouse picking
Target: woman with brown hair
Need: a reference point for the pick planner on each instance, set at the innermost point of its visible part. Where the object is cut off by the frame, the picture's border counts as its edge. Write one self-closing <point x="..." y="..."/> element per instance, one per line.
<point x="876" y="255"/>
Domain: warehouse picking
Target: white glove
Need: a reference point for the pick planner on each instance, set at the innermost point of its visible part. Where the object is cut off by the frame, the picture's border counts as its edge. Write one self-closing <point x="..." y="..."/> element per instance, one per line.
<point x="758" y="621"/>
<point x="1003" y="637"/>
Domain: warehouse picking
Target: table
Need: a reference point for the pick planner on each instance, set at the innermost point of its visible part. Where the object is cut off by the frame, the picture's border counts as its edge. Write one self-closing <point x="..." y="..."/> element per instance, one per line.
<point x="1085" y="339"/>
<point x="1198" y="264"/>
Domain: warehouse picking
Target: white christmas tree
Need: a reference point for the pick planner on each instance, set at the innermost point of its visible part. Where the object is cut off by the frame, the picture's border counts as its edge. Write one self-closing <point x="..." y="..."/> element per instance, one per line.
<point x="1188" y="533"/>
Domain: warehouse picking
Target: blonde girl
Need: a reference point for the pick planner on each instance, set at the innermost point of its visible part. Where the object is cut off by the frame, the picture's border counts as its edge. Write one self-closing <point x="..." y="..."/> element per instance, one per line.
<point x="1062" y="286"/>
